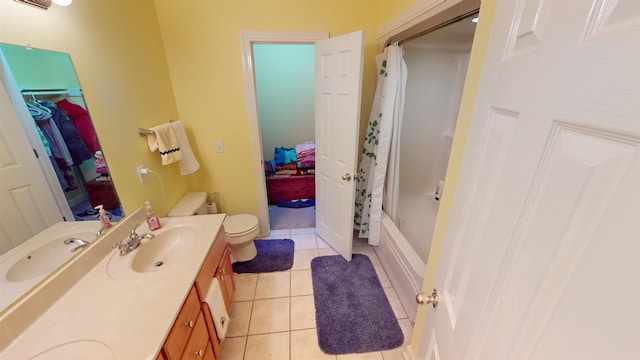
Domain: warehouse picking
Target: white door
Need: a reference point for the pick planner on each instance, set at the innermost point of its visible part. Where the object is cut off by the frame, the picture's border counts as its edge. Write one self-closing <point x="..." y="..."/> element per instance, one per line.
<point x="26" y="203"/>
<point x="338" y="87"/>
<point x="541" y="259"/>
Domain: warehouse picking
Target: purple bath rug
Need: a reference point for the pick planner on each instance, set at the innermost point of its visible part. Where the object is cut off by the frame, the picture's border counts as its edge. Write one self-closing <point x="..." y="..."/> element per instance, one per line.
<point x="353" y="314"/>
<point x="273" y="255"/>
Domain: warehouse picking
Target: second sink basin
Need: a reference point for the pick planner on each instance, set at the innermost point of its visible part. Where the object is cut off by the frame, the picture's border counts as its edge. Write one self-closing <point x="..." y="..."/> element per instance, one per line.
<point x="169" y="247"/>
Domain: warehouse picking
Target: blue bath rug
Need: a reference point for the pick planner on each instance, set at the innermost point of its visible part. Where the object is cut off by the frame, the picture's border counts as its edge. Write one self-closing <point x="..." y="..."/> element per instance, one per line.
<point x="353" y="314"/>
<point x="273" y="255"/>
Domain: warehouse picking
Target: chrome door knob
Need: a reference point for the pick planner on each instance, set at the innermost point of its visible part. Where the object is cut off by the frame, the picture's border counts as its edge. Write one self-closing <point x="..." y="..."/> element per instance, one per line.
<point x="433" y="299"/>
<point x="346" y="177"/>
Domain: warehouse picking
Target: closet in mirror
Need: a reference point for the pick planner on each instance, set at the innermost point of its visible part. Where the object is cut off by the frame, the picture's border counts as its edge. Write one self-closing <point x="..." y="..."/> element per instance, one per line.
<point x="52" y="166"/>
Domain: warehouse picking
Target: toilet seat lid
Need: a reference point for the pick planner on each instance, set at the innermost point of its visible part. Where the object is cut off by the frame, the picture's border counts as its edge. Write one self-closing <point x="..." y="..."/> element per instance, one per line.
<point x="241" y="223"/>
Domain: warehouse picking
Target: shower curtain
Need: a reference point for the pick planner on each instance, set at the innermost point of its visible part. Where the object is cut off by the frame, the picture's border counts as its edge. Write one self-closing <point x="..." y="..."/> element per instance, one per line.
<point x="381" y="149"/>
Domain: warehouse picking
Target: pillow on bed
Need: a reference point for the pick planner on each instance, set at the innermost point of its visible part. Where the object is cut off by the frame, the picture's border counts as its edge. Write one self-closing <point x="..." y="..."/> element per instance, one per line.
<point x="285" y="155"/>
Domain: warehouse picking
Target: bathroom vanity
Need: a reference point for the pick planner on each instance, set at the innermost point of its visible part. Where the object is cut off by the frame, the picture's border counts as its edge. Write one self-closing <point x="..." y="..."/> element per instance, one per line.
<point x="193" y="334"/>
<point x="147" y="304"/>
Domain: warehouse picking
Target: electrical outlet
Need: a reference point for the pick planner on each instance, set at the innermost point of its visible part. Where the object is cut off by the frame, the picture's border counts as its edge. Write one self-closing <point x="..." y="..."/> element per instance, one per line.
<point x="142" y="173"/>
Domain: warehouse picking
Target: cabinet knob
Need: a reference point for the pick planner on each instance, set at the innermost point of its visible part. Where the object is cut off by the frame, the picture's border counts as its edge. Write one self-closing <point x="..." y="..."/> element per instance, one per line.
<point x="200" y="353"/>
<point x="190" y="323"/>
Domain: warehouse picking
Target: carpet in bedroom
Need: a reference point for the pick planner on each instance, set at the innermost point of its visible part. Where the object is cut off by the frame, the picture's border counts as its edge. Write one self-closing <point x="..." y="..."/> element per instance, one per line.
<point x="292" y="218"/>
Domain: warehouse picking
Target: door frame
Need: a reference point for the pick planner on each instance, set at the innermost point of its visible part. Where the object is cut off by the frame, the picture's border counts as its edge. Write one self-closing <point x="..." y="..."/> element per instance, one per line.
<point x="247" y="39"/>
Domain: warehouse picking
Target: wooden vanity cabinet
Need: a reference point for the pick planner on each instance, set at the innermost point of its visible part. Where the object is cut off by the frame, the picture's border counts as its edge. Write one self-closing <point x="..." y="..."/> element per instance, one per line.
<point x="193" y="334"/>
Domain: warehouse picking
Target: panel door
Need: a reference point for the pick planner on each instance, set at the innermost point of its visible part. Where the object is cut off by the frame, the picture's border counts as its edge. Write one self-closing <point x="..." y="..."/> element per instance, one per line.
<point x="542" y="254"/>
<point x="338" y="88"/>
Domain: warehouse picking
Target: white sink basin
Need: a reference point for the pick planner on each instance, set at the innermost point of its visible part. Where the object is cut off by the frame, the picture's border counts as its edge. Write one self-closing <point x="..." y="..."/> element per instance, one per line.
<point x="28" y="263"/>
<point x="164" y="250"/>
<point x="169" y="247"/>
<point x="46" y="258"/>
<point x="77" y="350"/>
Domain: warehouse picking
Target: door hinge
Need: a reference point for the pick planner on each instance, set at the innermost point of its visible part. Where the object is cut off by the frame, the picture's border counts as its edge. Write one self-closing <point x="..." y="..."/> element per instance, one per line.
<point x="35" y="153"/>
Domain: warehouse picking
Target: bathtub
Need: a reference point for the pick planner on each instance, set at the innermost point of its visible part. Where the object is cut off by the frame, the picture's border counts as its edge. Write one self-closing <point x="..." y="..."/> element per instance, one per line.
<point x="402" y="264"/>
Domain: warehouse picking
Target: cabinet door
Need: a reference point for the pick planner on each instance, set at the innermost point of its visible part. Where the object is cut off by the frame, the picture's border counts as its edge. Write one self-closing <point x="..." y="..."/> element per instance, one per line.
<point x="183" y="326"/>
<point x="227" y="282"/>
<point x="198" y="341"/>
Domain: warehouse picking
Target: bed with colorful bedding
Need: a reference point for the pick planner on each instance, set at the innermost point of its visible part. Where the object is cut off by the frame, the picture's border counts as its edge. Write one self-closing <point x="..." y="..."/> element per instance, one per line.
<point x="291" y="173"/>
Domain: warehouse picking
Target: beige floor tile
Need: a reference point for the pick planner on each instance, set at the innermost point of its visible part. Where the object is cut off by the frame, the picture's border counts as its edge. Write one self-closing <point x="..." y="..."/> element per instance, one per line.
<point x="240" y="318"/>
<point x="321" y="243"/>
<point x="305" y="241"/>
<point x="278" y="234"/>
<point x="245" y="286"/>
<point x="303" y="231"/>
<point x="382" y="276"/>
<point x="365" y="356"/>
<point x="397" y="353"/>
<point x="301" y="283"/>
<point x="273" y="285"/>
<point x="303" y="312"/>
<point x="270" y="315"/>
<point x="302" y="259"/>
<point x="268" y="347"/>
<point x="395" y="303"/>
<point x="233" y="348"/>
<point x="360" y="241"/>
<point x="327" y="252"/>
<point x="304" y="346"/>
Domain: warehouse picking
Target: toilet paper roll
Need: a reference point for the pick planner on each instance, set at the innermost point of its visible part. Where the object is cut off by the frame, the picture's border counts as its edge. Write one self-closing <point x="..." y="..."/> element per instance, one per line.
<point x="212" y="208"/>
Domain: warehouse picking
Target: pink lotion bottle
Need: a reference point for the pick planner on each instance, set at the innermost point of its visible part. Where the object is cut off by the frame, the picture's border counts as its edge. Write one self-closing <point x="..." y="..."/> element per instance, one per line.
<point x="152" y="220"/>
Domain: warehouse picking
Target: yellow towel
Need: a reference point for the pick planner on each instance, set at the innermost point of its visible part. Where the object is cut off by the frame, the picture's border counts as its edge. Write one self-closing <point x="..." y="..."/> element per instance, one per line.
<point x="164" y="140"/>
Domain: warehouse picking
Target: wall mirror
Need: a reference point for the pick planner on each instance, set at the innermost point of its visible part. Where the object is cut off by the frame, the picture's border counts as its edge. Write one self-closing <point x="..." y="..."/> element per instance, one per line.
<point x="48" y="134"/>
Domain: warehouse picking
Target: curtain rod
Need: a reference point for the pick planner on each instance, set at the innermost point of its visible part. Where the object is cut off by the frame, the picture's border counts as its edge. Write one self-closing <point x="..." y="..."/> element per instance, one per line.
<point x="74" y="92"/>
<point x="426" y="31"/>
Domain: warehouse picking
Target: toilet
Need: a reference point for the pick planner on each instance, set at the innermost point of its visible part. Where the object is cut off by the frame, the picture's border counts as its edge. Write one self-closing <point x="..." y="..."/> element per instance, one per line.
<point x="240" y="229"/>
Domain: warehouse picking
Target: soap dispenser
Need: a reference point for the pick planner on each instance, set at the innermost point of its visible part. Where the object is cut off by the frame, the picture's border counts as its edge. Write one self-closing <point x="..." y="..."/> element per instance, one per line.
<point x="104" y="218"/>
<point x="152" y="219"/>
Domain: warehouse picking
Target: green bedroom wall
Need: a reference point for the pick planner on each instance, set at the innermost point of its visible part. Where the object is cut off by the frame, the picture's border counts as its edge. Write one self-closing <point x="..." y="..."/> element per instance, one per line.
<point x="285" y="80"/>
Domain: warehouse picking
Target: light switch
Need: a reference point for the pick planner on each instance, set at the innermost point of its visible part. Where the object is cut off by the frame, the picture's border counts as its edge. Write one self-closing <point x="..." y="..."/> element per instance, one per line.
<point x="219" y="147"/>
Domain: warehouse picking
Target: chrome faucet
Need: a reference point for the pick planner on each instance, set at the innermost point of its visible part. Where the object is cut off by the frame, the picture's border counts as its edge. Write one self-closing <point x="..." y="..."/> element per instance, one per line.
<point x="81" y="243"/>
<point x="132" y="242"/>
<point x="101" y="231"/>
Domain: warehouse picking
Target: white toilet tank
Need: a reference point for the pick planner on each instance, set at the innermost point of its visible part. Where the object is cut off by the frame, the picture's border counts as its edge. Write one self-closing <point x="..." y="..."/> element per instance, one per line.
<point x="191" y="203"/>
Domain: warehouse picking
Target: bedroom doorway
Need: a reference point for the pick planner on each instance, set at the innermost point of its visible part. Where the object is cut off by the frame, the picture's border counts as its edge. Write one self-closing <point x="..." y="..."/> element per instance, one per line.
<point x="284" y="80"/>
<point x="281" y="111"/>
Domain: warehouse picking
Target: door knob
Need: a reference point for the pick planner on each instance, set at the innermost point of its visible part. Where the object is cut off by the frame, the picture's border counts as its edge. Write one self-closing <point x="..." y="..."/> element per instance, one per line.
<point x="346" y="177"/>
<point x="433" y="299"/>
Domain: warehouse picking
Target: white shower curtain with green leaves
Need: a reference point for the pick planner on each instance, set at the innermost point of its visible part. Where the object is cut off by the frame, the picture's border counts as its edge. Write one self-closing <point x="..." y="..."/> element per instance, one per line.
<point x="379" y="159"/>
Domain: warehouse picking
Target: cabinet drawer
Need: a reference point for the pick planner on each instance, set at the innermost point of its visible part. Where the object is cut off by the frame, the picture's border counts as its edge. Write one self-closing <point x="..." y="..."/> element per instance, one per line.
<point x="210" y="265"/>
<point x="183" y="326"/>
<point x="198" y="341"/>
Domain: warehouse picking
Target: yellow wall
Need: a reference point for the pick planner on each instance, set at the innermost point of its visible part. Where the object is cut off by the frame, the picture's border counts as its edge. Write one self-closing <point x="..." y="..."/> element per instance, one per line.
<point x="202" y="42"/>
<point x="392" y="8"/>
<point x="118" y="55"/>
<point x="476" y="62"/>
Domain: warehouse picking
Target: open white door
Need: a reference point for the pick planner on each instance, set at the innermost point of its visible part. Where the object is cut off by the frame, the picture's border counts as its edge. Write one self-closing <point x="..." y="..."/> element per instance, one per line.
<point x="338" y="88"/>
<point x="26" y="203"/>
<point x="542" y="254"/>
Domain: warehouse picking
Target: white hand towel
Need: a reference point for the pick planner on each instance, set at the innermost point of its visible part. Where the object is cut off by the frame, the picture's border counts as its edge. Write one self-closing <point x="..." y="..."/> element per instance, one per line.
<point x="164" y="140"/>
<point x="219" y="314"/>
<point x="189" y="164"/>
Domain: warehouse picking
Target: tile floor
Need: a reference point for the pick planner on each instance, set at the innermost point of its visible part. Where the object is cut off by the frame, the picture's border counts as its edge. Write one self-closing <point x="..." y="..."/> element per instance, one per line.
<point x="273" y="314"/>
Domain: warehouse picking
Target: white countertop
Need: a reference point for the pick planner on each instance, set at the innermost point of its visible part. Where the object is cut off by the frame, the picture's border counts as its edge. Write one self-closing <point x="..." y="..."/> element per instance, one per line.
<point x="100" y="316"/>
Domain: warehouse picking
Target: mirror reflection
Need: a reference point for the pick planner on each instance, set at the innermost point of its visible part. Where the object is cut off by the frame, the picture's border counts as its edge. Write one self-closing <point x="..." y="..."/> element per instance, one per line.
<point x="52" y="166"/>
